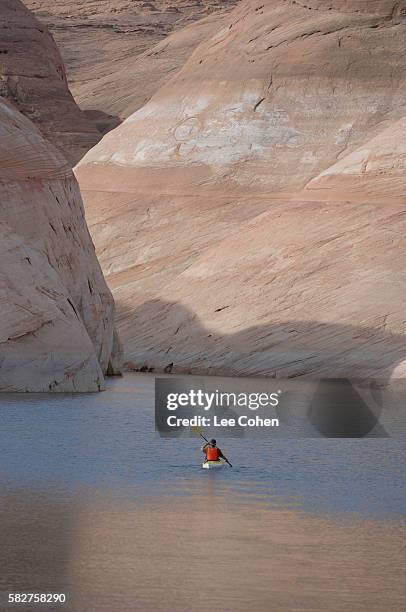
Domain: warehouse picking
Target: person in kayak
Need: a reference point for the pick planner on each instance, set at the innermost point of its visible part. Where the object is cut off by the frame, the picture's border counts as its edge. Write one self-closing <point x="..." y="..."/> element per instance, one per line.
<point x="212" y="452"/>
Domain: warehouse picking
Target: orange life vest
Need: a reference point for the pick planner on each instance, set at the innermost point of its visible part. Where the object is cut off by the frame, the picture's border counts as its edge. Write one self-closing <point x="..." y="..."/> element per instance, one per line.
<point x="212" y="454"/>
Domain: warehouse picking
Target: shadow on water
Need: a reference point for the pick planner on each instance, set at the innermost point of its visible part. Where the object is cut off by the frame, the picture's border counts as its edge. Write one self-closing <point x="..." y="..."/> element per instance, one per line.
<point x="36" y="532"/>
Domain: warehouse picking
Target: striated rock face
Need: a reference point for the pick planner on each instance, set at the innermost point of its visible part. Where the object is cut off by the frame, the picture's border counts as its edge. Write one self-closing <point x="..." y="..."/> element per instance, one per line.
<point x="376" y="168"/>
<point x="124" y="91"/>
<point x="268" y="110"/>
<point x="109" y="47"/>
<point x="251" y="216"/>
<point x="56" y="312"/>
<point x="32" y="77"/>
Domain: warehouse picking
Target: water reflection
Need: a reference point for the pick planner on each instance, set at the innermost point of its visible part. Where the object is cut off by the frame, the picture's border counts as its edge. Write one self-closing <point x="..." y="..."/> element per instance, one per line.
<point x="196" y="551"/>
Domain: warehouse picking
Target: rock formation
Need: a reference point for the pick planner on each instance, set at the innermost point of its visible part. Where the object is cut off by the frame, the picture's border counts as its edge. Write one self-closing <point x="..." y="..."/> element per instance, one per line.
<point x="251" y="216"/>
<point x="32" y="77"/>
<point x="56" y="312"/>
<point x="109" y="47"/>
<point x="122" y="92"/>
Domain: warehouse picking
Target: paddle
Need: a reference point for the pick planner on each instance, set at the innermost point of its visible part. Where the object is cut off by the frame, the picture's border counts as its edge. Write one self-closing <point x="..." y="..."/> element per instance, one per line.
<point x="197" y="430"/>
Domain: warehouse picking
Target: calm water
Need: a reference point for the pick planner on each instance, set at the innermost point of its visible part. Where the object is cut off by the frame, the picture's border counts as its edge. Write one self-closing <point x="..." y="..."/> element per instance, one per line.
<point x="96" y="505"/>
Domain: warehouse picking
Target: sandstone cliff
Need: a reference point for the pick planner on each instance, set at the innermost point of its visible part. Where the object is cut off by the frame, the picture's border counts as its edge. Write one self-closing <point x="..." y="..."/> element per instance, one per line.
<point x="32" y="77"/>
<point x="117" y="54"/>
<point x="56" y="323"/>
<point x="251" y="216"/>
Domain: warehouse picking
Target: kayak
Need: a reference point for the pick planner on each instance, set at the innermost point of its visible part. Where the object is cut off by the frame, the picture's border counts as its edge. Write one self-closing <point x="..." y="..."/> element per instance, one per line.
<point x="213" y="465"/>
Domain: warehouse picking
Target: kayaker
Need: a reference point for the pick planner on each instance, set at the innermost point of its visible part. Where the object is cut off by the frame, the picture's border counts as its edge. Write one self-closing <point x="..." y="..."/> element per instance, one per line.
<point x="212" y="452"/>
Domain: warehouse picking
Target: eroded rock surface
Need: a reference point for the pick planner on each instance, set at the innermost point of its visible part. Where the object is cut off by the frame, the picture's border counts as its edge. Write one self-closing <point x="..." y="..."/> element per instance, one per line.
<point x="32" y="77"/>
<point x="56" y="312"/>
<point x="117" y="53"/>
<point x="251" y="216"/>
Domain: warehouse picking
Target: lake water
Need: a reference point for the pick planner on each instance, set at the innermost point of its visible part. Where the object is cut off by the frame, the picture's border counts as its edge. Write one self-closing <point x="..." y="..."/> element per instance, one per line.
<point x="96" y="505"/>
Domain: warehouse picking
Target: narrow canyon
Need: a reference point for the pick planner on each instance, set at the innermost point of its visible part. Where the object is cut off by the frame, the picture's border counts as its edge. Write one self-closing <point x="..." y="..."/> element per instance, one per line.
<point x="250" y="218"/>
<point x="242" y="168"/>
